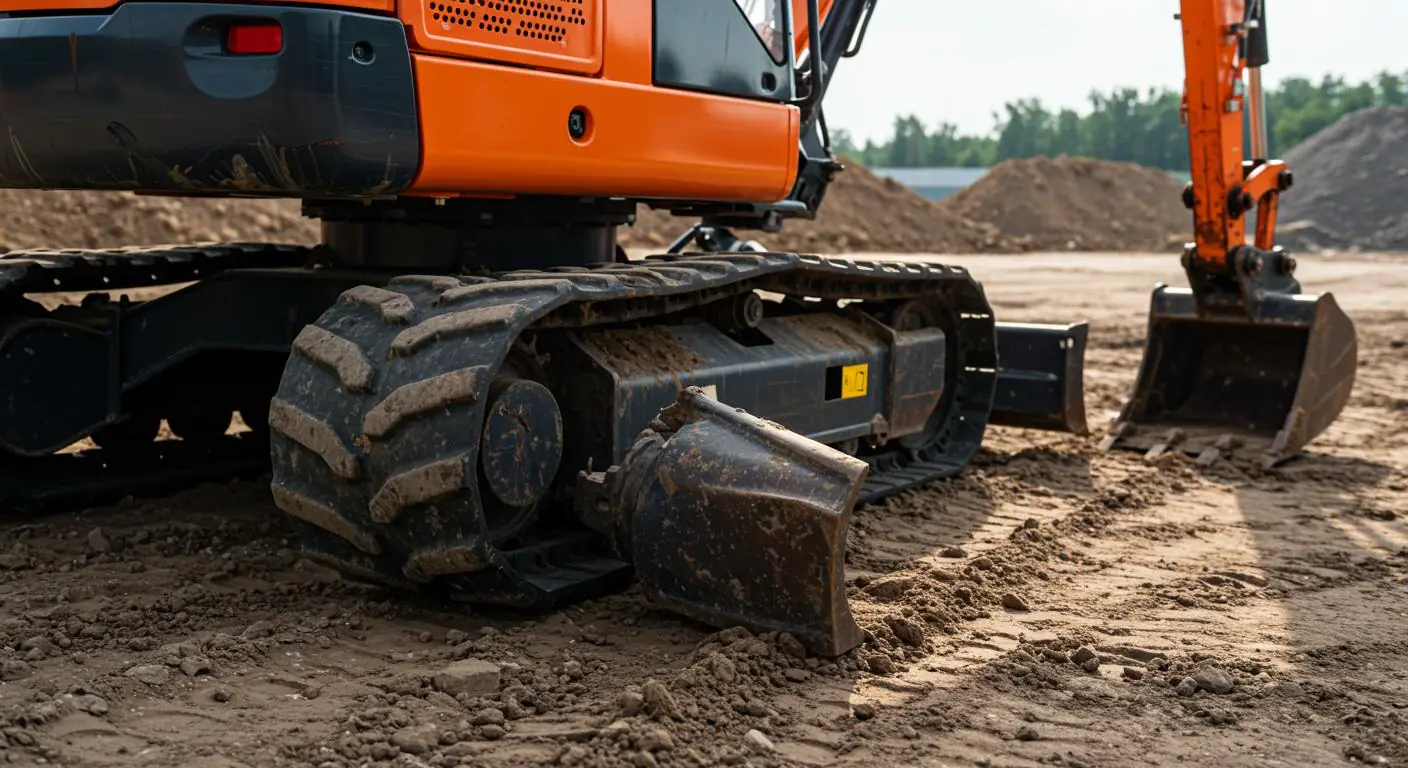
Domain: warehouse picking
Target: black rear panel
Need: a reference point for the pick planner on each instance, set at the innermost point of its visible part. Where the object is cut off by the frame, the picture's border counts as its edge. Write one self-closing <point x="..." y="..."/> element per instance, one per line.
<point x="148" y="98"/>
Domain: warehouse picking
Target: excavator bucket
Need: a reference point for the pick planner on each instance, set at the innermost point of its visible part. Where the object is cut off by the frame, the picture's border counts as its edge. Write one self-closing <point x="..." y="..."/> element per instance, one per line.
<point x="733" y="520"/>
<point x="1211" y="384"/>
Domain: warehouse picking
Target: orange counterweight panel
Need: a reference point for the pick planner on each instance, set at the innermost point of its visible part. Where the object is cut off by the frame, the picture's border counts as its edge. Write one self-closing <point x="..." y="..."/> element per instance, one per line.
<point x="488" y="128"/>
<point x="376" y="6"/>
<point x="564" y="35"/>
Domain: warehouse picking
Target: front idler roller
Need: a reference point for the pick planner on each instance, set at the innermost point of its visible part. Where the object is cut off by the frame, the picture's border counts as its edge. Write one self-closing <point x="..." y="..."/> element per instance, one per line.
<point x="732" y="520"/>
<point x="522" y="442"/>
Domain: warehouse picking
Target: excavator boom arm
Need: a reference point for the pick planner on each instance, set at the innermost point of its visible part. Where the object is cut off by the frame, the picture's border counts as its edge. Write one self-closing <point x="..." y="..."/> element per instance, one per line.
<point x="1215" y="99"/>
<point x="1224" y="44"/>
<point x="1242" y="355"/>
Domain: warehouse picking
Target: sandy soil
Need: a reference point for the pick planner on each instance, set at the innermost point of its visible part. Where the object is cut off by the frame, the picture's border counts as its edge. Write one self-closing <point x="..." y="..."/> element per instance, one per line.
<point x="1055" y="606"/>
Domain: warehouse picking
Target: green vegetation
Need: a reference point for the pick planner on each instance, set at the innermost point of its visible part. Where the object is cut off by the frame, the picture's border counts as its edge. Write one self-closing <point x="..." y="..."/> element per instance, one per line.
<point x="1120" y="125"/>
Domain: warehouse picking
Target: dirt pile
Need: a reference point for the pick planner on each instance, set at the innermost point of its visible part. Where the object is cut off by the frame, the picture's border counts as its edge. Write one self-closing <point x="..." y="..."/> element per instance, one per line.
<point x="1020" y="206"/>
<point x="1351" y="180"/>
<point x="65" y="219"/>
<point x="1036" y="204"/>
<point x="1076" y="204"/>
<point x="862" y="212"/>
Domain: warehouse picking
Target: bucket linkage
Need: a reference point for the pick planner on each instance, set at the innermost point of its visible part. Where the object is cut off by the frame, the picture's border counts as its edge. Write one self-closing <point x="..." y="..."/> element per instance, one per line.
<point x="1244" y="360"/>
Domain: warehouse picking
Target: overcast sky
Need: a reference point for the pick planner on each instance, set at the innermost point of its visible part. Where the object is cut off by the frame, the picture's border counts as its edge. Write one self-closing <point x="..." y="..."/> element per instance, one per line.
<point x="958" y="62"/>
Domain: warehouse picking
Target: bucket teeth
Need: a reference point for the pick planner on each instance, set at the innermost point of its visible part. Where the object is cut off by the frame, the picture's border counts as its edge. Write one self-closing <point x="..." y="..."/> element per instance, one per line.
<point x="734" y="520"/>
<point x="1170" y="440"/>
<point x="1224" y="445"/>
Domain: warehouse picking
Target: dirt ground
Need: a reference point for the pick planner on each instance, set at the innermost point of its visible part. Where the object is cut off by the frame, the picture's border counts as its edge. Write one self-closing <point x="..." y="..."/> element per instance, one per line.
<point x="1055" y="606"/>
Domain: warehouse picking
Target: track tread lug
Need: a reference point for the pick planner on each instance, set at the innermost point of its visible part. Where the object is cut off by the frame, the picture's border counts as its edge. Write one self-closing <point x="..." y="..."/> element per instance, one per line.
<point x="434" y="283"/>
<point x="359" y="569"/>
<point x="334" y="352"/>
<point x="315" y="435"/>
<point x="421" y="485"/>
<point x="325" y="516"/>
<point x="394" y="307"/>
<point x="467" y="293"/>
<point x="454" y="324"/>
<point x="437" y="392"/>
<point x="447" y="560"/>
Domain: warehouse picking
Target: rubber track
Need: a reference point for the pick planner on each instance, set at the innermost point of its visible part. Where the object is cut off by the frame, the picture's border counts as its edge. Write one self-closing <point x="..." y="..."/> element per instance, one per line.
<point x="48" y="271"/>
<point x="409" y="511"/>
<point x="42" y="485"/>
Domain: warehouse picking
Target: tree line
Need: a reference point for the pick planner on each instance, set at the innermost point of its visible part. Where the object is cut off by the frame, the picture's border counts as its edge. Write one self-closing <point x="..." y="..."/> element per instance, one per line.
<point x="1123" y="124"/>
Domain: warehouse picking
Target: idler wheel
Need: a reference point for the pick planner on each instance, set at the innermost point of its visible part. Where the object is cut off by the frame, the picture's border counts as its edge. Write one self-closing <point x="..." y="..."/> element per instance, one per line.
<point x="521" y="448"/>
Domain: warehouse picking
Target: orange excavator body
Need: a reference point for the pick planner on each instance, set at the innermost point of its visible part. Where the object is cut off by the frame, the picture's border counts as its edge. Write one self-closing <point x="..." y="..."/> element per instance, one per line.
<point x="494" y="84"/>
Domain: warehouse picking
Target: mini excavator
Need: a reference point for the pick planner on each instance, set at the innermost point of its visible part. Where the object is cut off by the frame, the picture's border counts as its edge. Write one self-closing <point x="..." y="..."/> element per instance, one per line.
<point x="1242" y="359"/>
<point x="468" y="388"/>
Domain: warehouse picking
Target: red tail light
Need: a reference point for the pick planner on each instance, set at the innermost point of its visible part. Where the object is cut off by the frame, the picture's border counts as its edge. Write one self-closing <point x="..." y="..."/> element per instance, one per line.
<point x="254" y="38"/>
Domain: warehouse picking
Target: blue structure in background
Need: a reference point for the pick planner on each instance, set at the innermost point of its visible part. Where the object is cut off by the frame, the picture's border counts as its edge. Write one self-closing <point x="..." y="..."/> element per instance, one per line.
<point x="938" y="183"/>
<point x="933" y="183"/>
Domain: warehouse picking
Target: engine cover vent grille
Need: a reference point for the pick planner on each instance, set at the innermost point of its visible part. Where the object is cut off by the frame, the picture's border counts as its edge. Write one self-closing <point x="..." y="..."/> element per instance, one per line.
<point x="559" y="34"/>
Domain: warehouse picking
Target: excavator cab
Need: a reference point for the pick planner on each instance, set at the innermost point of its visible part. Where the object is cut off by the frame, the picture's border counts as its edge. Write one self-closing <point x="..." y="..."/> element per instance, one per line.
<point x="1243" y="359"/>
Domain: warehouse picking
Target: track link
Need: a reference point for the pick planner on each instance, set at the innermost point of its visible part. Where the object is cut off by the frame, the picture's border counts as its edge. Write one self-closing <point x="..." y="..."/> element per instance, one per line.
<point x="376" y="426"/>
<point x="36" y="485"/>
<point x="51" y="271"/>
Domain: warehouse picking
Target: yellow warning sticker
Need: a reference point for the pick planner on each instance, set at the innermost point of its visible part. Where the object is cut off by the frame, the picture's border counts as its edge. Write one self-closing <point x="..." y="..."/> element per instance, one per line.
<point x="855" y="381"/>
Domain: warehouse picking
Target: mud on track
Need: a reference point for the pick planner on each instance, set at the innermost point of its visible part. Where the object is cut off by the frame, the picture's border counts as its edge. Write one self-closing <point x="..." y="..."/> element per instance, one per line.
<point x="1055" y="606"/>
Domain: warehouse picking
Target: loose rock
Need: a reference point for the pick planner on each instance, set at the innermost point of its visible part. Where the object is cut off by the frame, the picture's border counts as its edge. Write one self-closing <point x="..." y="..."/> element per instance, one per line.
<point x="1213" y="680"/>
<point x="658" y="700"/>
<point x="488" y="717"/>
<point x="195" y="665"/>
<point x="1013" y="602"/>
<point x="471" y="677"/>
<point x="415" y="739"/>
<point x="655" y="739"/>
<point x="97" y="542"/>
<point x="759" y="743"/>
<point x="880" y="665"/>
<point x="791" y="646"/>
<point x="151" y="674"/>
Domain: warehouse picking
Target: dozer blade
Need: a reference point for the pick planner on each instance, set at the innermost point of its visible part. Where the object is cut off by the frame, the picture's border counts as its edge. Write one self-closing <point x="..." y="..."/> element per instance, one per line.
<point x="1041" y="377"/>
<point x="1212" y="384"/>
<point x="733" y="520"/>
